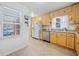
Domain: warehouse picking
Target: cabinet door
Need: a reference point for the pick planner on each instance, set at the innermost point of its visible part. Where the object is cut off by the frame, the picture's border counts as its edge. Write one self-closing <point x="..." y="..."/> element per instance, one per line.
<point x="53" y="37"/>
<point x="61" y="12"/>
<point x="67" y="10"/>
<point x="72" y="15"/>
<point x="61" y="39"/>
<point x="77" y="45"/>
<point x="43" y="20"/>
<point x="70" y="12"/>
<point x="51" y="15"/>
<point x="70" y="40"/>
<point x="56" y="13"/>
<point x="77" y="13"/>
<point x="46" y="19"/>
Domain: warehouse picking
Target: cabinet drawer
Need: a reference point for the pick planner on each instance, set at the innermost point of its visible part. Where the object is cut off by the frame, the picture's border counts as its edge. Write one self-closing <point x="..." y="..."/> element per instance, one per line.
<point x="70" y="37"/>
<point x="70" y="34"/>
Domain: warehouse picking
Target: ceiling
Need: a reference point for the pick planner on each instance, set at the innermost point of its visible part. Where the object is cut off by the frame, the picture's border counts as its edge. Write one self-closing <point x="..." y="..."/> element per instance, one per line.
<point x="38" y="8"/>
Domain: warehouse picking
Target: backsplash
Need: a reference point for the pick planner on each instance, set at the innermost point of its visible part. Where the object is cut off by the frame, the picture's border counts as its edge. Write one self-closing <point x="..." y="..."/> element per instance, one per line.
<point x="71" y="27"/>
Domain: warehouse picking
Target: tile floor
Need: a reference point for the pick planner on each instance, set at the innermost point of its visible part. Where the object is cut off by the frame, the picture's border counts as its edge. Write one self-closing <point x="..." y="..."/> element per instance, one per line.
<point x="40" y="48"/>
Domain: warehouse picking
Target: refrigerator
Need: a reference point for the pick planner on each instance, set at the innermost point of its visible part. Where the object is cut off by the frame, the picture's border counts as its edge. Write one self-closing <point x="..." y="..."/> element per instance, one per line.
<point x="36" y="27"/>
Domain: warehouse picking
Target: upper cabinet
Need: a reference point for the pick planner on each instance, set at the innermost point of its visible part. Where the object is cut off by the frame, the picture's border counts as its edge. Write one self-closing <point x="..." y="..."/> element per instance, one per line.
<point x="71" y="14"/>
<point x="70" y="11"/>
<point x="36" y="19"/>
<point x="76" y="9"/>
<point x="53" y="37"/>
<point x="46" y="19"/>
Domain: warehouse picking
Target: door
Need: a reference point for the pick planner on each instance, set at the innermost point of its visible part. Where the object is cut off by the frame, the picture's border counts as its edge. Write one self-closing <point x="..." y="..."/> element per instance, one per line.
<point x="61" y="38"/>
<point x="53" y="37"/>
<point x="77" y="44"/>
<point x="76" y="13"/>
<point x="70" y="40"/>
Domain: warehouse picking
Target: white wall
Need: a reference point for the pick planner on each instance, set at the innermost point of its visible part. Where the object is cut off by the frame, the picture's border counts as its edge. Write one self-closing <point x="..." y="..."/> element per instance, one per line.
<point x="10" y="45"/>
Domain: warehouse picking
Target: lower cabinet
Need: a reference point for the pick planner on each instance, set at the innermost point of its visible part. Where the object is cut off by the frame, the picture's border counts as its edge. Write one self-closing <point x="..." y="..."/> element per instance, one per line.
<point x="70" y="40"/>
<point x="58" y="38"/>
<point x="66" y="39"/>
<point x="77" y="44"/>
<point x="61" y="38"/>
<point x="53" y="37"/>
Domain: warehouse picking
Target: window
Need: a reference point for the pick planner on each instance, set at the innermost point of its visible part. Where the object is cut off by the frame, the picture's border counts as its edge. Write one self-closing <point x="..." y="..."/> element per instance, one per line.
<point x="58" y="23"/>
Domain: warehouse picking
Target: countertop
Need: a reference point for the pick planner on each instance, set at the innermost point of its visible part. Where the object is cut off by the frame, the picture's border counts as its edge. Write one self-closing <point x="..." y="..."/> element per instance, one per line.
<point x="76" y="33"/>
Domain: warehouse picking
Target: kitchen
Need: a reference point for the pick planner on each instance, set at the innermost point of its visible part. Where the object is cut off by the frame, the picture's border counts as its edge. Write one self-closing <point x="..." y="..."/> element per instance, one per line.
<point x="59" y="27"/>
<point x="25" y="31"/>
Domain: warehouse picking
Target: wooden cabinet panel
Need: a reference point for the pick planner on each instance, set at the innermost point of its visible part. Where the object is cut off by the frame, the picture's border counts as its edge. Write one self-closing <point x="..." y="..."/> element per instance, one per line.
<point x="56" y="13"/>
<point x="46" y="19"/>
<point x="71" y="14"/>
<point x="77" y="44"/>
<point x="43" y="20"/>
<point x="53" y="37"/>
<point x="70" y="40"/>
<point x="61" y="12"/>
<point x="36" y="19"/>
<point x="68" y="9"/>
<point x="51" y="15"/>
<point x="76" y="13"/>
<point x="61" y="38"/>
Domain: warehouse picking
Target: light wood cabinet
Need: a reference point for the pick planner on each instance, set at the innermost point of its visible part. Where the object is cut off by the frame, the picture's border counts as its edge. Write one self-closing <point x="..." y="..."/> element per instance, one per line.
<point x="61" y="38"/>
<point x="66" y="39"/>
<point x="71" y="13"/>
<point x="53" y="37"/>
<point x="46" y="19"/>
<point x="61" y="12"/>
<point x="51" y="15"/>
<point x="77" y="44"/>
<point x="68" y="9"/>
<point x="43" y="20"/>
<point x="36" y="19"/>
<point x="70" y="40"/>
<point x="77" y="13"/>
<point x="56" y="13"/>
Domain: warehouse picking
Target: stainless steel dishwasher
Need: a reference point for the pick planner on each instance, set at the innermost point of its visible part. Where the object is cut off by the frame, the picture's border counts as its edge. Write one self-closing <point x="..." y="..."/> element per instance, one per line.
<point x="46" y="35"/>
